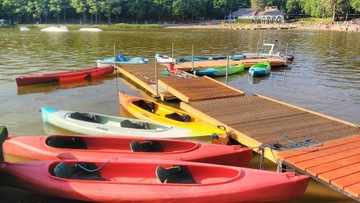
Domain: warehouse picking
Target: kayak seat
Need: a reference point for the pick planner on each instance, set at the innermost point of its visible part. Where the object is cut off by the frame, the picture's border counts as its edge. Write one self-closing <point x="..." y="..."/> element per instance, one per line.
<point x="66" y="142"/>
<point x="148" y="106"/>
<point x="174" y="174"/>
<point x="64" y="170"/>
<point x="82" y="117"/>
<point x="147" y="146"/>
<point x="178" y="117"/>
<point x="128" y="124"/>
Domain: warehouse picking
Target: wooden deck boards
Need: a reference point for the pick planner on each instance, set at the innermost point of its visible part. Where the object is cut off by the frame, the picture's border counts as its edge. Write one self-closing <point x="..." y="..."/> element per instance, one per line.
<point x="269" y="122"/>
<point x="337" y="163"/>
<point x="198" y="88"/>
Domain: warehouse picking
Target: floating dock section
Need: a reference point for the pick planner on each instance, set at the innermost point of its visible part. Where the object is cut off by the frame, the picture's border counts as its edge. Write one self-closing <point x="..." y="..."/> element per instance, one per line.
<point x="314" y="144"/>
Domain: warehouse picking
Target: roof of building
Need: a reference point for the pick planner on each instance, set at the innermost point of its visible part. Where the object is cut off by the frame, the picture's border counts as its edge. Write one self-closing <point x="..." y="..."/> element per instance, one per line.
<point x="244" y="12"/>
<point x="269" y="11"/>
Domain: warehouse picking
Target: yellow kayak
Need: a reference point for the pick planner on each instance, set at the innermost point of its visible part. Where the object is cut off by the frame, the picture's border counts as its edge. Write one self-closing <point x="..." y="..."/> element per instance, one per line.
<point x="149" y="110"/>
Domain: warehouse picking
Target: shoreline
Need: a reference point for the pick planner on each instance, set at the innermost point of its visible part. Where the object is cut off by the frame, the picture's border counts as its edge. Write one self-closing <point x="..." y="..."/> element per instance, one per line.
<point x="346" y="26"/>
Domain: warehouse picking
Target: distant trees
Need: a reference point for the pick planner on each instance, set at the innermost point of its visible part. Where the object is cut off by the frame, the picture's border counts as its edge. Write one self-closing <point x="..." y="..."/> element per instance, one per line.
<point x="101" y="11"/>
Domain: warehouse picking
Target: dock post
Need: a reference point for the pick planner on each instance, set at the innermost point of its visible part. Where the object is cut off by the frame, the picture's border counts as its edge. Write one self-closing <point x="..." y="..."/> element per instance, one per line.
<point x="157" y="82"/>
<point x="227" y="69"/>
<point x="281" y="167"/>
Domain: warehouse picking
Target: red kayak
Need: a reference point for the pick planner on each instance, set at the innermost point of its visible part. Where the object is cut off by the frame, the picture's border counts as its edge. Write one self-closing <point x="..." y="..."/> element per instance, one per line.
<point x="99" y="147"/>
<point x="152" y="180"/>
<point x="64" y="76"/>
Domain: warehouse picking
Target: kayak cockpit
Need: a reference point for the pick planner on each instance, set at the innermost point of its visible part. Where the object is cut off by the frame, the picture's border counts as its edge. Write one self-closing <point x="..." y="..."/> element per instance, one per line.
<point x="150" y="173"/>
<point x="130" y="145"/>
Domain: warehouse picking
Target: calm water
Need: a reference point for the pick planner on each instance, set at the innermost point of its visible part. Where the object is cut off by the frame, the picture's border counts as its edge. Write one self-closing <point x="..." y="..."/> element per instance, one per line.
<point x="324" y="77"/>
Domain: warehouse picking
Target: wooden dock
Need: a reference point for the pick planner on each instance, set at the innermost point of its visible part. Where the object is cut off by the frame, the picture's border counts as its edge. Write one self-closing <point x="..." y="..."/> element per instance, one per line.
<point x="320" y="146"/>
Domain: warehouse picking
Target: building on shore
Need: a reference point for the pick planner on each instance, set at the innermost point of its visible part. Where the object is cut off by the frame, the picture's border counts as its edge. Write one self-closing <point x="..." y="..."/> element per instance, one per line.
<point x="269" y="15"/>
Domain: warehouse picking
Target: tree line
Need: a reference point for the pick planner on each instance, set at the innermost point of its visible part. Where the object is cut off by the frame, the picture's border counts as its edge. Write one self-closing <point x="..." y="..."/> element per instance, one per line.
<point x="154" y="11"/>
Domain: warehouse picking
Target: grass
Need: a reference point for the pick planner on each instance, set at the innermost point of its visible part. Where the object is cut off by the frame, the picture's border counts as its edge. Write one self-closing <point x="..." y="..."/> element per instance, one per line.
<point x="315" y="20"/>
<point x="101" y="26"/>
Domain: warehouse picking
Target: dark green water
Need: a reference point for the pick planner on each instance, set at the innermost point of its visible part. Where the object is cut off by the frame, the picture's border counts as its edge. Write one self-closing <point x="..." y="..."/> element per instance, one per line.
<point x="324" y="77"/>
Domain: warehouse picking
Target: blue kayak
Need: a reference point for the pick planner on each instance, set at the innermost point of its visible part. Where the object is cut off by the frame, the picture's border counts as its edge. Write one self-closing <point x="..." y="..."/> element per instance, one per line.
<point x="121" y="59"/>
<point x="189" y="59"/>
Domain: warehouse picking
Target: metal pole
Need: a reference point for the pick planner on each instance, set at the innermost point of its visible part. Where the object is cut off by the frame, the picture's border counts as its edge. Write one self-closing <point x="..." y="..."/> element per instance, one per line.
<point x="227" y="69"/>
<point x="172" y="52"/>
<point x="156" y="79"/>
<point x="116" y="70"/>
<point x="286" y="51"/>
<point x="192" y="55"/>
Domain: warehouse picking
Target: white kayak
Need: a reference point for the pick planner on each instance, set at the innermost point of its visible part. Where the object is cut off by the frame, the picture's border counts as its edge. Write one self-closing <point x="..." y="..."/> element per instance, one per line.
<point x="99" y="124"/>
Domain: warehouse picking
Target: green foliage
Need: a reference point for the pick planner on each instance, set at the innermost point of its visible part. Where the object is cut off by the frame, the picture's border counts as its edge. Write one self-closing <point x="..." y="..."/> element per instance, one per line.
<point x="355" y="4"/>
<point x="153" y="11"/>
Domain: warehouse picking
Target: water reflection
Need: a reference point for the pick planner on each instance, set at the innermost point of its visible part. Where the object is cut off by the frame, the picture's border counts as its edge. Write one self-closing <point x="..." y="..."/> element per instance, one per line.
<point x="324" y="77"/>
<point x="50" y="87"/>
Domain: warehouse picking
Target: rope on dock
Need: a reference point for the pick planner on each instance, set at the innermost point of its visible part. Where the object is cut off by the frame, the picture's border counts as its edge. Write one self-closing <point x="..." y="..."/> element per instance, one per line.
<point x="315" y="144"/>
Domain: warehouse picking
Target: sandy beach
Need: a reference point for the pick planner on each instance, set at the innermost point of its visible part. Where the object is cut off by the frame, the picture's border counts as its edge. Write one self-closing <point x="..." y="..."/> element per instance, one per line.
<point x="340" y="26"/>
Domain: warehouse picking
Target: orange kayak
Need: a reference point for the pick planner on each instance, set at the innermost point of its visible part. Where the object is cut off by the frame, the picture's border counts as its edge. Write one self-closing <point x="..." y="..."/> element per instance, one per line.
<point x="100" y="147"/>
<point x="64" y="76"/>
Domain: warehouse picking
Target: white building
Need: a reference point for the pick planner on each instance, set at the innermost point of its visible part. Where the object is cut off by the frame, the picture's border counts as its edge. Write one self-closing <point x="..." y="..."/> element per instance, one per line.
<point x="270" y="14"/>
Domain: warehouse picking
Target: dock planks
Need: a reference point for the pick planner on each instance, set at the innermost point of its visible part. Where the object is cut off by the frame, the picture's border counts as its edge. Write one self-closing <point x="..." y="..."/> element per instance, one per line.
<point x="336" y="164"/>
<point x="258" y="121"/>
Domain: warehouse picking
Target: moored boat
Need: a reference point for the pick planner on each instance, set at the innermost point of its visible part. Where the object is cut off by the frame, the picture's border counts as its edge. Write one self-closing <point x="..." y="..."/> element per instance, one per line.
<point x="137" y="180"/>
<point x="150" y="110"/>
<point x="64" y="76"/>
<point x="237" y="57"/>
<point x="270" y="53"/>
<point x="161" y="58"/>
<point x="55" y="29"/>
<point x="260" y="69"/>
<point x="24" y="28"/>
<point x="200" y="58"/>
<point x="220" y="70"/>
<point x="121" y="59"/>
<point x="98" y="147"/>
<point x="99" y="124"/>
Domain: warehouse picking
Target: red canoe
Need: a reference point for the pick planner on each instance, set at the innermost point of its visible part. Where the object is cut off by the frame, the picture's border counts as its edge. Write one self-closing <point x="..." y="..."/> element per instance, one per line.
<point x="64" y="76"/>
<point x="99" y="147"/>
<point x="150" y="180"/>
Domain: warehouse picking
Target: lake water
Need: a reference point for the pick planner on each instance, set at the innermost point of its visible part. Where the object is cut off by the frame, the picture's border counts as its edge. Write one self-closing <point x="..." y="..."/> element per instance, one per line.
<point x="324" y="77"/>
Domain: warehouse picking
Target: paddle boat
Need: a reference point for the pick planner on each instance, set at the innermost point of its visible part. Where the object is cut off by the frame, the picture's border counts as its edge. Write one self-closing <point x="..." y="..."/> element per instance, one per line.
<point x="99" y="147"/>
<point x="150" y="110"/>
<point x="62" y="28"/>
<point x="270" y="53"/>
<point x="220" y="70"/>
<point x="121" y="59"/>
<point x="161" y="58"/>
<point x="99" y="124"/>
<point x="24" y="28"/>
<point x="260" y="69"/>
<point x="151" y="180"/>
<point x="64" y="76"/>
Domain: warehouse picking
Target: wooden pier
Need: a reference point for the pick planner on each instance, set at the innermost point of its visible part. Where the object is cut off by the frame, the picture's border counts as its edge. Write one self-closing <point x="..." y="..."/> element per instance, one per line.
<point x="320" y="146"/>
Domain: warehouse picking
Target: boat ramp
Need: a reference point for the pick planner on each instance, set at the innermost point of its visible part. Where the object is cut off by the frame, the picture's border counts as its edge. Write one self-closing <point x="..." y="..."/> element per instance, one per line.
<point x="323" y="147"/>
